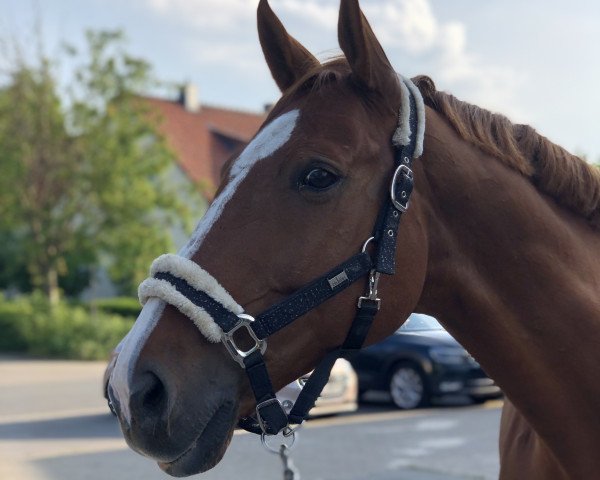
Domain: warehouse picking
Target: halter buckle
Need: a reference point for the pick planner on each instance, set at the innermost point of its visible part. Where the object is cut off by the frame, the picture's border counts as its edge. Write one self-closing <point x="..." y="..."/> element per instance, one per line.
<point x="236" y="352"/>
<point x="276" y="413"/>
<point x="408" y="175"/>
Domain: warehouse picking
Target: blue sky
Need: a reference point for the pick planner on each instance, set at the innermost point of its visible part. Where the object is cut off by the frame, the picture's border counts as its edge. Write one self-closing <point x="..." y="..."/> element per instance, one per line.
<point x="536" y="61"/>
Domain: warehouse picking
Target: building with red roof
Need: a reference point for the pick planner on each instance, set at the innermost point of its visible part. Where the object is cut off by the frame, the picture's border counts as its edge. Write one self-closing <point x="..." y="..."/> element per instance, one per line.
<point x="203" y="137"/>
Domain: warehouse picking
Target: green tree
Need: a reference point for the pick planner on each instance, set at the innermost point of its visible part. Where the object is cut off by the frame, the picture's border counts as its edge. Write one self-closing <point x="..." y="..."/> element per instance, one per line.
<point x="84" y="175"/>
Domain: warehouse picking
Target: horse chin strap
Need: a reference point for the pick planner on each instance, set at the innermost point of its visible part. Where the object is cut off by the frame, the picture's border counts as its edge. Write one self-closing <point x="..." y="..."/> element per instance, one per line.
<point x="185" y="285"/>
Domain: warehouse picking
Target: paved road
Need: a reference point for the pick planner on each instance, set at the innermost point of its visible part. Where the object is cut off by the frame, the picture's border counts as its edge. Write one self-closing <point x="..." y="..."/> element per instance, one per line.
<point x="54" y="426"/>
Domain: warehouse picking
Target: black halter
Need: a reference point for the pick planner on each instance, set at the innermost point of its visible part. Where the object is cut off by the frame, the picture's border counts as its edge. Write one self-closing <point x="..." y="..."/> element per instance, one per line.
<point x="271" y="418"/>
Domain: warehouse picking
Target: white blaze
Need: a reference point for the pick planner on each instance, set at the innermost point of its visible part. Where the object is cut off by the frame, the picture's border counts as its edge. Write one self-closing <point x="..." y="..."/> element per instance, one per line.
<point x="129" y="349"/>
<point x="267" y="142"/>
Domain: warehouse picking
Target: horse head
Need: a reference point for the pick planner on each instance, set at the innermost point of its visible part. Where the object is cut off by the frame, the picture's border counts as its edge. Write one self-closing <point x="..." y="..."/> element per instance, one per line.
<point x="301" y="198"/>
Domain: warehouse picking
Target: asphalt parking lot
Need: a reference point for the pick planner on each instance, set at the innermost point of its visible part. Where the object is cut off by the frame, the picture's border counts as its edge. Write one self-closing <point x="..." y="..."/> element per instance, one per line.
<point x="54" y="425"/>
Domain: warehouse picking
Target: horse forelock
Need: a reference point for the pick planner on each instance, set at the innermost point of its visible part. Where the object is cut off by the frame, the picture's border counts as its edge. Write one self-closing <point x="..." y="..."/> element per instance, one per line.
<point x="567" y="178"/>
<point x="316" y="79"/>
<point x="331" y="74"/>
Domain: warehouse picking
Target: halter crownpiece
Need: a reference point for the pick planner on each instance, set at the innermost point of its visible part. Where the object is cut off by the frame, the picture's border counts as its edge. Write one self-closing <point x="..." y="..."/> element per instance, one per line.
<point x="195" y="293"/>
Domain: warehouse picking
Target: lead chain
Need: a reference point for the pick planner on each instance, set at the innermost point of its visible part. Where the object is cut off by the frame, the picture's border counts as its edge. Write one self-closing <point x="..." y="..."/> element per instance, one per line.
<point x="290" y="472"/>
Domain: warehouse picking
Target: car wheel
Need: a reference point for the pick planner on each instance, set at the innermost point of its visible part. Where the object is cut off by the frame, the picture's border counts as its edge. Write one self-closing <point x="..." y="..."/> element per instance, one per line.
<point x="407" y="387"/>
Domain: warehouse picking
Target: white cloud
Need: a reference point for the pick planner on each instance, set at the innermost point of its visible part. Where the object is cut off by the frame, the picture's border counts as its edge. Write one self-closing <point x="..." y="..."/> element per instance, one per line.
<point x="410" y="27"/>
<point x="216" y="34"/>
<point x="212" y="14"/>
<point x="489" y="85"/>
<point x="406" y="24"/>
<point x="312" y="12"/>
<point x="223" y="32"/>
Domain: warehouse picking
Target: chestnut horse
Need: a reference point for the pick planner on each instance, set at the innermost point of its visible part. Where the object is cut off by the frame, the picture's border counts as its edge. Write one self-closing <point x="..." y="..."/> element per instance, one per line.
<point x="500" y="243"/>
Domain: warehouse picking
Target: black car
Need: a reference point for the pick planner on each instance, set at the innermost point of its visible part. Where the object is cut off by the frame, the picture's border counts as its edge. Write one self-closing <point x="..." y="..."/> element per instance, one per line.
<point x="419" y="361"/>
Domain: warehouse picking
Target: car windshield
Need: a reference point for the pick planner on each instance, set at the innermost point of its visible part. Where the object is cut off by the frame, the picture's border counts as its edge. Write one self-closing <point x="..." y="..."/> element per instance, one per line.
<point x="419" y="322"/>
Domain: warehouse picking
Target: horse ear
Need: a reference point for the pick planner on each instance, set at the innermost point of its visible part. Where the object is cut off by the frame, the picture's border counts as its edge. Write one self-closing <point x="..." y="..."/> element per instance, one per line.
<point x="286" y="58"/>
<point x="369" y="63"/>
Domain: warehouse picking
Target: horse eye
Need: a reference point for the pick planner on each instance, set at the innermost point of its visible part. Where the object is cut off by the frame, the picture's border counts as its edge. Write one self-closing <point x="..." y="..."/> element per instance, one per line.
<point x="319" y="179"/>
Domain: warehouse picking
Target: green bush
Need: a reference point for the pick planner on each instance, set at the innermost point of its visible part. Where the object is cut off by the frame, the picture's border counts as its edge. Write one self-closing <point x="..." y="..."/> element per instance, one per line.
<point x="124" y="306"/>
<point x="12" y="316"/>
<point x="31" y="325"/>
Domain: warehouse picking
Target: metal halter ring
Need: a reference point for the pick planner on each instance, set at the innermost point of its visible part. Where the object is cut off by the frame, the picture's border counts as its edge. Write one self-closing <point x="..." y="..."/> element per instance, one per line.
<point x="366" y="244"/>
<point x="271" y="448"/>
<point x="237" y="353"/>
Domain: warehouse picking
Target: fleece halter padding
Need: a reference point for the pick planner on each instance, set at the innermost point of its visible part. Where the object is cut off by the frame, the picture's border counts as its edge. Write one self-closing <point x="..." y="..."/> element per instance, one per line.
<point x="196" y="277"/>
<point x="403" y="134"/>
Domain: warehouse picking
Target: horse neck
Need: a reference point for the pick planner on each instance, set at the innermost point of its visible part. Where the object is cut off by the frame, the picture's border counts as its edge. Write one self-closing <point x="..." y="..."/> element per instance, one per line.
<point x="515" y="278"/>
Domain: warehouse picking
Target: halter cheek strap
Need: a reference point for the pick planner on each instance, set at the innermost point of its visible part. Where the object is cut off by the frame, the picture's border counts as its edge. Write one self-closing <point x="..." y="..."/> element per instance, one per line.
<point x="193" y="291"/>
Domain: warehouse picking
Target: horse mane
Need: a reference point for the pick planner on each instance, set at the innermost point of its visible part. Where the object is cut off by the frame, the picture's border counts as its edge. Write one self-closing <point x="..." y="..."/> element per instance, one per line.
<point x="571" y="181"/>
<point x="567" y="178"/>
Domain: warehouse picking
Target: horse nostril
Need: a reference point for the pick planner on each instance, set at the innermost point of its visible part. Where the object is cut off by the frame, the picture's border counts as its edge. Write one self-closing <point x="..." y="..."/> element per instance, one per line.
<point x="155" y="395"/>
<point x="150" y="396"/>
